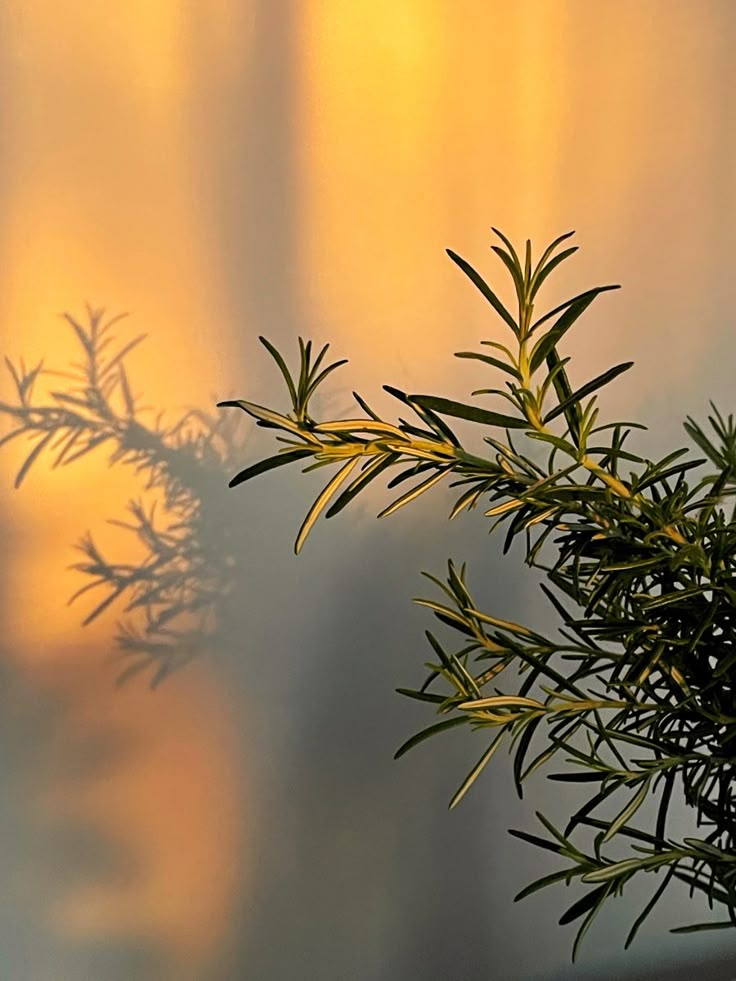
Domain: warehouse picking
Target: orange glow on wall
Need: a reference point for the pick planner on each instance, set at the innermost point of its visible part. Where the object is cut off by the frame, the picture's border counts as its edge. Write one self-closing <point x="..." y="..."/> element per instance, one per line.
<point x="103" y="201"/>
<point x="370" y="129"/>
<point x="171" y="802"/>
<point x="421" y="125"/>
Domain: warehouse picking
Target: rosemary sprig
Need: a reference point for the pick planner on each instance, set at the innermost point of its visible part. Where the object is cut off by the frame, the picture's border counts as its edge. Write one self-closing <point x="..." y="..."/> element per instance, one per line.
<point x="638" y="691"/>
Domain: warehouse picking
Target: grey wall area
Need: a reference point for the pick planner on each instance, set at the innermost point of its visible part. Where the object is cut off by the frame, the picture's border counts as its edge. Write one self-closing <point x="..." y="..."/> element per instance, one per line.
<point x="259" y="167"/>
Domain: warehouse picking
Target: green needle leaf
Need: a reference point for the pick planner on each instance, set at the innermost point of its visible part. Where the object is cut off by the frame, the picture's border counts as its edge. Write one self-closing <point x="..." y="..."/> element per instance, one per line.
<point x="513" y="268"/>
<point x="476" y="771"/>
<point x="430" y="731"/>
<point x="698" y="927"/>
<point x="574" y="309"/>
<point x="571" y="302"/>
<point x="266" y="415"/>
<point x="372" y="471"/>
<point x="280" y="460"/>
<point x="472" y="413"/>
<point x="541" y="883"/>
<point x="597" y="905"/>
<point x="588" y="389"/>
<point x="540" y="276"/>
<point x="485" y="289"/>
<point x="585" y="903"/>
<point x="340" y="477"/>
<point x="282" y="367"/>
<point x="487" y="359"/>
<point x="412" y="494"/>
<point x="649" y="906"/>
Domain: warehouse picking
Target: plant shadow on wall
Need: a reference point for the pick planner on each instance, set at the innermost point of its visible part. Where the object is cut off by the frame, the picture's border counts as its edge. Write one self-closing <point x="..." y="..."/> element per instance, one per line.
<point x="190" y="562"/>
<point x="186" y="596"/>
<point x="638" y="694"/>
<point x="181" y="598"/>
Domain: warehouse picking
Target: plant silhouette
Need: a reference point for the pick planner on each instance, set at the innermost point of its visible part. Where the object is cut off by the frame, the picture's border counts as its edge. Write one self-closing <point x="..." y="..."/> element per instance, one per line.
<point x="176" y="598"/>
<point x="190" y="556"/>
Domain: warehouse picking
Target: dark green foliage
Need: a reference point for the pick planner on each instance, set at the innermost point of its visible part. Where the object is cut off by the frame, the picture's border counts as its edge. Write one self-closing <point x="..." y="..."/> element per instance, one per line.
<point x="638" y="691"/>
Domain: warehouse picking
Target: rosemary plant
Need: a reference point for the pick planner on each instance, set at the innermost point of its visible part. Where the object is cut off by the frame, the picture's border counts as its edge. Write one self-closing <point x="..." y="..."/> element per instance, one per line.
<point x="641" y="577"/>
<point x="180" y="591"/>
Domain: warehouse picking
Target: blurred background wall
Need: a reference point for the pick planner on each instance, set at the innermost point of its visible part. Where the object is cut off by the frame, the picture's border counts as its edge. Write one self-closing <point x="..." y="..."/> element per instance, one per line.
<point x="242" y="167"/>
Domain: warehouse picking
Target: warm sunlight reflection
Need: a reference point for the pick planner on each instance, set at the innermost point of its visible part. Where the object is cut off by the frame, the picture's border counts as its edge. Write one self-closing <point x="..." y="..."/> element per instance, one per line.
<point x="413" y="126"/>
<point x="102" y="201"/>
<point x="171" y="802"/>
<point x="423" y="124"/>
<point x="372" y="124"/>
